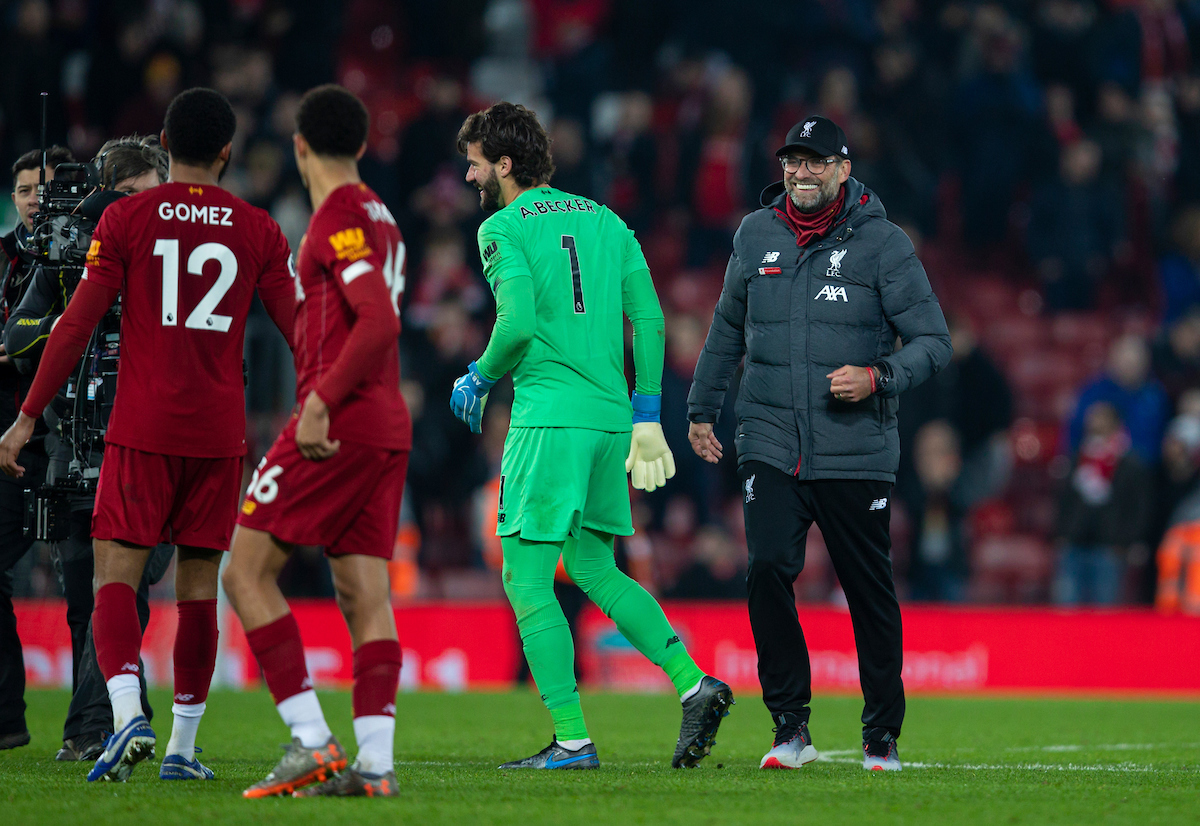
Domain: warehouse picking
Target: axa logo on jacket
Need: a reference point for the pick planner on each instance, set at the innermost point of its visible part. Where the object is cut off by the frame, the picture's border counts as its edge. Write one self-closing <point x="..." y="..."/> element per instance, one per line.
<point x="832" y="293"/>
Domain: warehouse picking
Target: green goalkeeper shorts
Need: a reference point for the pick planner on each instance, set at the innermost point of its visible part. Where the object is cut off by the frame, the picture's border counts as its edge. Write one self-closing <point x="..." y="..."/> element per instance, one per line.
<point x="555" y="481"/>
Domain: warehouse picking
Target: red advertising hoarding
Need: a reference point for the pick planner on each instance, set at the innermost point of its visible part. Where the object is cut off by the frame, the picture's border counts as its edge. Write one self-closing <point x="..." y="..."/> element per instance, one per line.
<point x="454" y="646"/>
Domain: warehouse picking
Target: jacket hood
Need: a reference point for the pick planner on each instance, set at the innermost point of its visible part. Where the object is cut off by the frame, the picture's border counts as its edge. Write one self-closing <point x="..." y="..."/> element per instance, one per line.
<point x="773" y="195"/>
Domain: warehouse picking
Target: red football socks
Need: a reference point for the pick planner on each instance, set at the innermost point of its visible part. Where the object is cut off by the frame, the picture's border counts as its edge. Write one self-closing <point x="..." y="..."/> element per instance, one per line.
<point x="280" y="654"/>
<point x="195" y="650"/>
<point x="116" y="630"/>
<point x="376" y="678"/>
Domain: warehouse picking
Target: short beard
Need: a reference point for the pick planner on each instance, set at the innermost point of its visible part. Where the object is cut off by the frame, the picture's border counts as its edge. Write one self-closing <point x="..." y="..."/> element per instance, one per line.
<point x="827" y="193"/>
<point x="491" y="195"/>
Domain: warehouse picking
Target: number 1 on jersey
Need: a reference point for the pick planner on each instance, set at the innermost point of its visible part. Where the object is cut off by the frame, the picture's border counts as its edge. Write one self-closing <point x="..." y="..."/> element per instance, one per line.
<point x="568" y="243"/>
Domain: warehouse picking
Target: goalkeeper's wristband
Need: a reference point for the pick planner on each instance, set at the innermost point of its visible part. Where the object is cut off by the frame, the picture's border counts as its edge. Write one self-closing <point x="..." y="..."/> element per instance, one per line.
<point x="646" y="408"/>
<point x="482" y="383"/>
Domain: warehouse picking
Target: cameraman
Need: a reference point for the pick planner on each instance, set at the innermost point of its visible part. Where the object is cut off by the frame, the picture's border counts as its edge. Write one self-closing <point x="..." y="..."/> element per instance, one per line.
<point x="14" y="280"/>
<point x="74" y="444"/>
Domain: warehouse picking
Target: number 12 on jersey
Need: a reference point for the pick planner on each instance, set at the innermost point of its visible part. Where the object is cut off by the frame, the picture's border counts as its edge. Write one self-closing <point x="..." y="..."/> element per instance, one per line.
<point x="202" y="317"/>
<point x="568" y="243"/>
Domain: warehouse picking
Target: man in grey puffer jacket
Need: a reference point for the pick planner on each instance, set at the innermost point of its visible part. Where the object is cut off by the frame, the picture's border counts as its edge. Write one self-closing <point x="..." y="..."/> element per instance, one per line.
<point x="818" y="288"/>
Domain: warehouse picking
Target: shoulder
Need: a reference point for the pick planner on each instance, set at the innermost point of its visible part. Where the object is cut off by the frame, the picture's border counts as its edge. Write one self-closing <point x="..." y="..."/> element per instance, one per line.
<point x="753" y="225"/>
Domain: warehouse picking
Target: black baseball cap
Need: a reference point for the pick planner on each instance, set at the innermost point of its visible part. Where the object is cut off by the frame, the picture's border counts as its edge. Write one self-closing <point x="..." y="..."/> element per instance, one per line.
<point x="821" y="135"/>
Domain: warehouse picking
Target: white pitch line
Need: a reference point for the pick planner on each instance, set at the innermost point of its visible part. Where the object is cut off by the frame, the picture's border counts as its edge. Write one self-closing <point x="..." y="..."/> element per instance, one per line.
<point x="1108" y="747"/>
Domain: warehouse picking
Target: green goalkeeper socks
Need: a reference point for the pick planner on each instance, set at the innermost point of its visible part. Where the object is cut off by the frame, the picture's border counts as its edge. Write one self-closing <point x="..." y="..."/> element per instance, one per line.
<point x="638" y="616"/>
<point x="546" y="638"/>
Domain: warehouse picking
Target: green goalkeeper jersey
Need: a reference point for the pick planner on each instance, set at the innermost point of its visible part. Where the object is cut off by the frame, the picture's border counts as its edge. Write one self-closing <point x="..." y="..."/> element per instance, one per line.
<point x="584" y="263"/>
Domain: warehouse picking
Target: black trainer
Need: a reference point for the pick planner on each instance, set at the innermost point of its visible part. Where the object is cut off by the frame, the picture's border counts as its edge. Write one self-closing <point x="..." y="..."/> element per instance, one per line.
<point x="880" y="754"/>
<point x="555" y="756"/>
<point x="702" y="713"/>
<point x="84" y="747"/>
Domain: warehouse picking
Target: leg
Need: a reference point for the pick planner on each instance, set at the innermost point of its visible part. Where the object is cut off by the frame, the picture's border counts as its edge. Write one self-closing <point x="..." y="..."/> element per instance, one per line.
<point x="73" y="556"/>
<point x="590" y="564"/>
<point x="195" y="657"/>
<point x="777" y="520"/>
<point x="860" y="549"/>
<point x="365" y="601"/>
<point x="13" y="546"/>
<point x="116" y="627"/>
<point x="528" y="575"/>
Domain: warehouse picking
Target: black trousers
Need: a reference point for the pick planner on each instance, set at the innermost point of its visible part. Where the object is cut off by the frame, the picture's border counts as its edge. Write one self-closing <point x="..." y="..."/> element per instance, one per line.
<point x="13" y="546"/>
<point x="853" y="516"/>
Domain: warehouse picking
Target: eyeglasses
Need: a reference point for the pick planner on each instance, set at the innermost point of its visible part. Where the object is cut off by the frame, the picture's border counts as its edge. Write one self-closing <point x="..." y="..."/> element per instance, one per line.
<point x="815" y="165"/>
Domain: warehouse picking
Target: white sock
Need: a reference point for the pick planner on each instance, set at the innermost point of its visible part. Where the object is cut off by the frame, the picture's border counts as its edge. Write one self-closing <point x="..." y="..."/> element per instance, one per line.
<point x="125" y="694"/>
<point x="302" y="714"/>
<point x="376" y="735"/>
<point x="687" y="695"/>
<point x="574" y="745"/>
<point x="183" y="732"/>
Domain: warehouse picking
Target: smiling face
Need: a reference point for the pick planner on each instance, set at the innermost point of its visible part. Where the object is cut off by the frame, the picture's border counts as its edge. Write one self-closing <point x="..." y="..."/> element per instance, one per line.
<point x="481" y="173"/>
<point x="810" y="192"/>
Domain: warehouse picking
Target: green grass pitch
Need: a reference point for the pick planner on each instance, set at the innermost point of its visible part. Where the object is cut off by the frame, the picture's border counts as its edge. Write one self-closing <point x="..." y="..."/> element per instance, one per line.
<point x="967" y="760"/>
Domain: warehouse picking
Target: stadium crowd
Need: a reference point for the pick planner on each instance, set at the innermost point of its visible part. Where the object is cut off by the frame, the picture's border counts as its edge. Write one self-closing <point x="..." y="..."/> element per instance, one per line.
<point x="1044" y="157"/>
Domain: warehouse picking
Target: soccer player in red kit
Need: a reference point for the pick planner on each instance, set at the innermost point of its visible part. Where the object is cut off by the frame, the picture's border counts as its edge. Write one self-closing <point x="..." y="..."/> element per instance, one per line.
<point x="335" y="475"/>
<point x="186" y="258"/>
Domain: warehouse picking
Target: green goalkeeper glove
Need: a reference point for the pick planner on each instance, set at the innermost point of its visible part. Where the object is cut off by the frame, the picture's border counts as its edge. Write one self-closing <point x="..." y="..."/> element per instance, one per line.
<point x="650" y="463"/>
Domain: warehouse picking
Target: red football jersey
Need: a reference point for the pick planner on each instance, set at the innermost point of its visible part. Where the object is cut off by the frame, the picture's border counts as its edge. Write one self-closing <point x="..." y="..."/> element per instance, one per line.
<point x="187" y="260"/>
<point x="351" y="239"/>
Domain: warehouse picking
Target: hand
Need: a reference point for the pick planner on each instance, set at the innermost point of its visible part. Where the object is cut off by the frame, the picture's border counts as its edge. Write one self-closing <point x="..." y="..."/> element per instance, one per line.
<point x="650" y="463"/>
<point x="468" y="397"/>
<point x="704" y="443"/>
<point x="11" y="443"/>
<point x="850" y="384"/>
<point x="312" y="431"/>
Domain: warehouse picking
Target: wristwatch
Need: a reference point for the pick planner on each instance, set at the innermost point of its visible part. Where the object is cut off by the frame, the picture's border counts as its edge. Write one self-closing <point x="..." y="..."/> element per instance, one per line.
<point x="883" y="375"/>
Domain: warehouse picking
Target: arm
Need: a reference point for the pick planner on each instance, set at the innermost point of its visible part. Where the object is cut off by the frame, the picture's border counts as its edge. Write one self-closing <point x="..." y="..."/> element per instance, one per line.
<point x="277" y="284"/>
<point x="63" y="351"/>
<point x="723" y="348"/>
<point x="30" y="323"/>
<point x="650" y="462"/>
<point x="912" y="310"/>
<point x="511" y="278"/>
<point x="282" y="310"/>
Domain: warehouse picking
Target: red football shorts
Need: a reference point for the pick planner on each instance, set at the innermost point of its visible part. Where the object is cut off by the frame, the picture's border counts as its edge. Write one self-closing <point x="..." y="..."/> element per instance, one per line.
<point x="147" y="498"/>
<point x="348" y="503"/>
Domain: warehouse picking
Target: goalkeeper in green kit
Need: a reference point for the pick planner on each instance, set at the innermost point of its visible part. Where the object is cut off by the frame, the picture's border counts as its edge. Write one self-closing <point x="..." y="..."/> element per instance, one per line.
<point x="564" y="269"/>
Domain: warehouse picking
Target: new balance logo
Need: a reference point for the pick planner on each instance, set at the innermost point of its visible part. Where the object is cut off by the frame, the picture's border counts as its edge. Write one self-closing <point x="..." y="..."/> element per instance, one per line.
<point x="184" y="698"/>
<point x="750" y="488"/>
<point x="835" y="264"/>
<point x="878" y="504"/>
<point x="832" y="293"/>
<point x="770" y="258"/>
<point x="306" y="684"/>
<point x="672" y="641"/>
<point x="131" y="668"/>
<point x="390" y="709"/>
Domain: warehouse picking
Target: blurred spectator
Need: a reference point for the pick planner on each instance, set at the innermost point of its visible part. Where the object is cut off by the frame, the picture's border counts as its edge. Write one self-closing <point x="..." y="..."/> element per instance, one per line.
<point x="1076" y="228"/>
<point x="717" y="570"/>
<point x="972" y="395"/>
<point x="1103" y="511"/>
<point x="1178" y="479"/>
<point x="995" y="117"/>
<point x="428" y="142"/>
<point x="1179" y="269"/>
<point x="938" y="562"/>
<point x="1176" y="354"/>
<point x="1139" y="398"/>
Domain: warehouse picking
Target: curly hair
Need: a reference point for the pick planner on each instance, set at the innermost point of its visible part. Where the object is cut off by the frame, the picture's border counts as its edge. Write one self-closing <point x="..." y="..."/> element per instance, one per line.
<point x="129" y="157"/>
<point x="510" y="129"/>
<point x="199" y="124"/>
<point x="333" y="121"/>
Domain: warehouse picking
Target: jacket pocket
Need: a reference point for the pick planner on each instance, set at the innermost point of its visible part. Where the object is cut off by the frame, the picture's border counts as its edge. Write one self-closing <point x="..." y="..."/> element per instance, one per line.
<point x="847" y="429"/>
<point x="768" y="298"/>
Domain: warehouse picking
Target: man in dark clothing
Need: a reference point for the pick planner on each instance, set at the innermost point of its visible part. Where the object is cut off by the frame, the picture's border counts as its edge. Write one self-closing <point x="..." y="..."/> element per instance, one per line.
<point x="818" y="288"/>
<point x="13" y="386"/>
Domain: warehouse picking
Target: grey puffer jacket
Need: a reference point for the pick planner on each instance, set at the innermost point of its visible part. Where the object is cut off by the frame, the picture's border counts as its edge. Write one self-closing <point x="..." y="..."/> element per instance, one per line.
<point x="798" y="314"/>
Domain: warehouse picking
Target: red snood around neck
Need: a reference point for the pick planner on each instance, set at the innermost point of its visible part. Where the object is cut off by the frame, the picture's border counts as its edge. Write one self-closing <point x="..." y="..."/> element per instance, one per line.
<point x="809" y="226"/>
